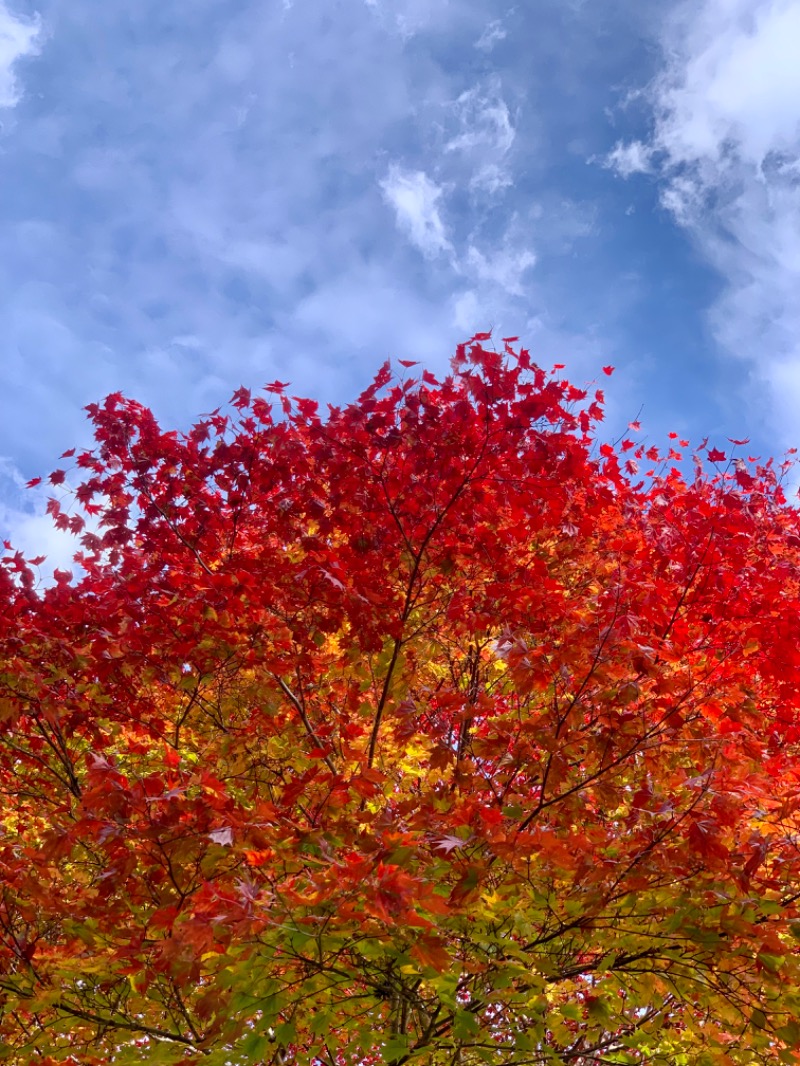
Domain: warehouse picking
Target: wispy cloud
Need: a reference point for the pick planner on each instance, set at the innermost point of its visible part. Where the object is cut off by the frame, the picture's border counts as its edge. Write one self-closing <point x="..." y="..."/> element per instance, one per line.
<point x="504" y="268"/>
<point x="493" y="33"/>
<point x="726" y="149"/>
<point x="483" y="136"/>
<point x="484" y="121"/>
<point x="635" y="157"/>
<point x="18" y="38"/>
<point x="415" y="199"/>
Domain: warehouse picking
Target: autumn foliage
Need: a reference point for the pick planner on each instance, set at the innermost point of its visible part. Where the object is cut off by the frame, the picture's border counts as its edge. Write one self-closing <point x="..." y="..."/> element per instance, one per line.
<point x="425" y="730"/>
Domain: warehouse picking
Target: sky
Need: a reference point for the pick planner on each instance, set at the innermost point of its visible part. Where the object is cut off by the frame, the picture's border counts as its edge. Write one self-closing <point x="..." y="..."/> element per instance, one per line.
<point x="195" y="197"/>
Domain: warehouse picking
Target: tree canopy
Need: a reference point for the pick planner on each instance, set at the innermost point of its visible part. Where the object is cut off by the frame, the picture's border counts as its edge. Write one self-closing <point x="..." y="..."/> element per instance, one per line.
<point x="426" y="730"/>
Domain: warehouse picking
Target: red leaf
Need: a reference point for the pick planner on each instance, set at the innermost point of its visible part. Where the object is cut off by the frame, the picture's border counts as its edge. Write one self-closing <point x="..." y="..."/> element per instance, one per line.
<point x="716" y="456"/>
<point x="431" y="952"/>
<point x="609" y="370"/>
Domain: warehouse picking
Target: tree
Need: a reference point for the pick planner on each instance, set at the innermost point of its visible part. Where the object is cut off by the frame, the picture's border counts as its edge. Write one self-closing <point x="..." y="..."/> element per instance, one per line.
<point x="418" y="732"/>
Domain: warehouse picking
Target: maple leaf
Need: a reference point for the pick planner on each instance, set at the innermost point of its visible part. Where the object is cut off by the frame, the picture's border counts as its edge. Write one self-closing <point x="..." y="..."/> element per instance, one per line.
<point x="716" y="456"/>
<point x="450" y="843"/>
<point x="172" y="758"/>
<point x="608" y="370"/>
<point x="432" y="953"/>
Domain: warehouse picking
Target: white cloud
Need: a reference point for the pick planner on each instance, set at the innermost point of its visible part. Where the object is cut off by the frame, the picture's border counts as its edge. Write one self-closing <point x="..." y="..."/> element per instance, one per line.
<point x="732" y="94"/>
<point x="504" y="268"/>
<point x="409" y="17"/>
<point x="492" y="35"/>
<point x="727" y="143"/>
<point x="483" y="136"/>
<point x="491" y="178"/>
<point x="627" y="159"/>
<point x="484" y="121"/>
<point x="415" y="200"/>
<point x="18" y="38"/>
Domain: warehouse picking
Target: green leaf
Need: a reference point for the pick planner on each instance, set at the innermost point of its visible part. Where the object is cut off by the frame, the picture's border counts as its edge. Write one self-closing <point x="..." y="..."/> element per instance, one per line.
<point x="465" y="1025"/>
<point x="395" y="1048"/>
<point x="285" y="1033"/>
<point x="256" y="1046"/>
<point x="772" y="963"/>
<point x="790" y="1033"/>
<point x="571" y="1011"/>
<point x="320" y="1023"/>
<point x="446" y="986"/>
<point x="597" y="1009"/>
<point x="758" y="1019"/>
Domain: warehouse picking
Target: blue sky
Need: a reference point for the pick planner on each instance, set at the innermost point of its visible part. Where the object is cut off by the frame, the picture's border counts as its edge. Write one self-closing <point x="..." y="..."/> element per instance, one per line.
<point x="199" y="196"/>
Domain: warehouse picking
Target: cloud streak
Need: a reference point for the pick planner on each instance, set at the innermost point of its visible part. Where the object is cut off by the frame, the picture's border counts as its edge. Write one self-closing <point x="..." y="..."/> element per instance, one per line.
<point x="493" y="33"/>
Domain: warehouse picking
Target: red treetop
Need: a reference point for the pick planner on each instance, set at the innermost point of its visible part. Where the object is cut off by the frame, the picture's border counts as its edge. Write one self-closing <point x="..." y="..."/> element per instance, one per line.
<point x="417" y="731"/>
